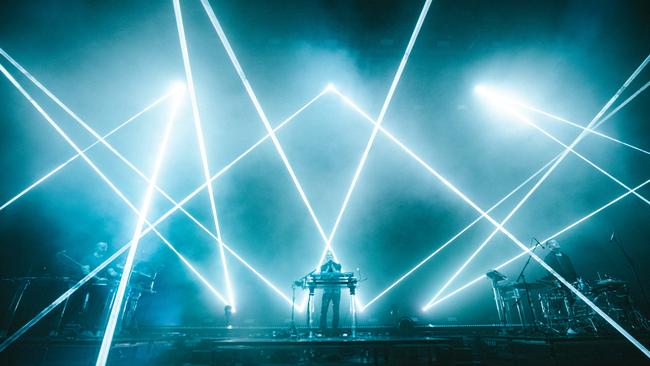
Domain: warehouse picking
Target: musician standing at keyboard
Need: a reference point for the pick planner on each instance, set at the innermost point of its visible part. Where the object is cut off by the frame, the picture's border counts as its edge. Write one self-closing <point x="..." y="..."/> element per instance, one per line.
<point x="330" y="294"/>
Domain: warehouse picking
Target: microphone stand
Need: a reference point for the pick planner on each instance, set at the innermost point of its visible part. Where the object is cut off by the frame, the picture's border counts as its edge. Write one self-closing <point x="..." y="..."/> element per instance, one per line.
<point x="614" y="239"/>
<point x="299" y="282"/>
<point x="523" y="278"/>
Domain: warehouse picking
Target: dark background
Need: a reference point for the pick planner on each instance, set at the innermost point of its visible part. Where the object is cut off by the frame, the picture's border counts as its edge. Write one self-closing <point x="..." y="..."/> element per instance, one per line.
<point x="108" y="60"/>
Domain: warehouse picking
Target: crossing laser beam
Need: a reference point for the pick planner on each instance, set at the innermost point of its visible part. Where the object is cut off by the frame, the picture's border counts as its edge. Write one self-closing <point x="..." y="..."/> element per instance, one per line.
<point x="151" y="227"/>
<point x="71" y="159"/>
<point x="479" y="88"/>
<point x="583" y="133"/>
<point x="364" y="114"/>
<point x="204" y="157"/>
<point x="484" y="91"/>
<point x="249" y="90"/>
<point x="116" y="307"/>
<point x="523" y="247"/>
<point x="565" y="229"/>
<point x="178" y="87"/>
<point x="380" y="119"/>
<point x="594" y="165"/>
<point x="498" y="97"/>
<point x="87" y="160"/>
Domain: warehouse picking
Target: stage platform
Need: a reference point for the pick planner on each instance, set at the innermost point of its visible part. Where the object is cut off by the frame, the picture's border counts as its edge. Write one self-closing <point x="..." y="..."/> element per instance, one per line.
<point x="430" y="345"/>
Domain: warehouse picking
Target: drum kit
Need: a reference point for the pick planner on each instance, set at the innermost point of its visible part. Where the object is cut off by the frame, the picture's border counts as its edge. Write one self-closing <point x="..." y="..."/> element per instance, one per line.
<point x="548" y="307"/>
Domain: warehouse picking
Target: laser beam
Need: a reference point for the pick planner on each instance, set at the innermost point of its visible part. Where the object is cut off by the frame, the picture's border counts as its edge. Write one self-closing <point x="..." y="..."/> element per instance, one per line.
<point x="594" y="165"/>
<point x="380" y="119"/>
<point x="565" y="229"/>
<point x="80" y="153"/>
<point x="483" y="91"/>
<point x="164" y="194"/>
<point x="498" y="97"/>
<point x="71" y="159"/>
<point x="177" y="89"/>
<point x="539" y="182"/>
<point x="354" y="106"/>
<point x="199" y="136"/>
<point x="249" y="90"/>
<point x="364" y="114"/>
<point x="116" y="307"/>
<point x="500" y="227"/>
<point x="151" y="227"/>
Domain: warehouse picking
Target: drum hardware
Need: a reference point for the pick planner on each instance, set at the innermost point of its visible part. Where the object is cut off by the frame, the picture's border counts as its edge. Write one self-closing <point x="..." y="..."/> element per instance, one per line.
<point x="614" y="239"/>
<point x="527" y="290"/>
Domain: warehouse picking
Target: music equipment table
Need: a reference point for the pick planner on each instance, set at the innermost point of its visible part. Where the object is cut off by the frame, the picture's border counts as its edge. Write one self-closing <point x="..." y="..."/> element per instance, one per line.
<point x="328" y="280"/>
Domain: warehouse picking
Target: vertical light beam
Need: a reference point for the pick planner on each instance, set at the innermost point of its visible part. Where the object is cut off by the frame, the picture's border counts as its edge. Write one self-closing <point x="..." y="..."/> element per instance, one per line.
<point x="128" y="265"/>
<point x="199" y="135"/>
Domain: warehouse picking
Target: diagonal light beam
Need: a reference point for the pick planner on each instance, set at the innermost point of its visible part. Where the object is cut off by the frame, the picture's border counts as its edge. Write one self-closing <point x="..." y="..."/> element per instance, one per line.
<point x="202" y="149"/>
<point x="116" y="307"/>
<point x="594" y="165"/>
<point x="64" y="164"/>
<point x="567" y="228"/>
<point x="561" y="157"/>
<point x="89" y="162"/>
<point x="380" y="119"/>
<point x="523" y="247"/>
<point x="498" y="97"/>
<point x="354" y="106"/>
<point x="151" y="227"/>
<point x="261" y="114"/>
<point x="628" y="100"/>
<point x="137" y="171"/>
<point x="175" y="91"/>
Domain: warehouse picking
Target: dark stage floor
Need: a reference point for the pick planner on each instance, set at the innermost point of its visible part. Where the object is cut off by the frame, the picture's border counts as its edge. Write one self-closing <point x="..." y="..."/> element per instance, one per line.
<point x="469" y="345"/>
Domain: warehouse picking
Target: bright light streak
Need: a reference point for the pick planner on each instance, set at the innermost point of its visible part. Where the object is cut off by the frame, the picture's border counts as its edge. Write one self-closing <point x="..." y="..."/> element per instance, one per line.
<point x="90" y="163"/>
<point x="178" y="89"/>
<point x="380" y="119"/>
<point x="493" y="96"/>
<point x="75" y="147"/>
<point x="22" y="330"/>
<point x="177" y="206"/>
<point x="425" y="260"/>
<point x="202" y="149"/>
<point x="355" y="107"/>
<point x="262" y="115"/>
<point x="128" y="265"/>
<point x="64" y="164"/>
<point x="539" y="182"/>
<point x="629" y="99"/>
<point x="500" y="98"/>
<point x="500" y="227"/>
<point x="487" y="240"/>
<point x="567" y="228"/>
<point x="534" y="125"/>
<point x="496" y="98"/>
